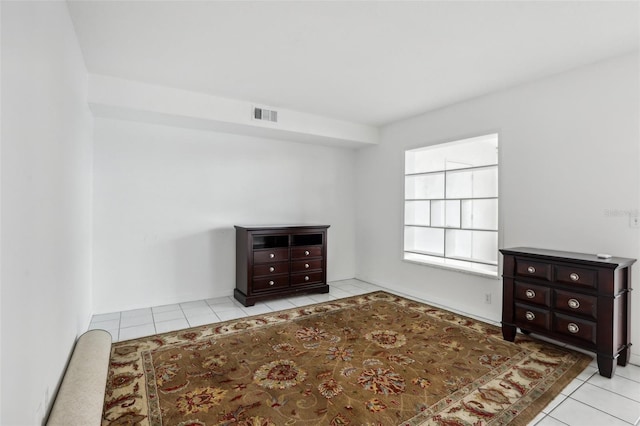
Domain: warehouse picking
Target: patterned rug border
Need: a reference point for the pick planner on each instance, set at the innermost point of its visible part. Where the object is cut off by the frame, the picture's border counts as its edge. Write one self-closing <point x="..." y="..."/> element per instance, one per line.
<point x="520" y="413"/>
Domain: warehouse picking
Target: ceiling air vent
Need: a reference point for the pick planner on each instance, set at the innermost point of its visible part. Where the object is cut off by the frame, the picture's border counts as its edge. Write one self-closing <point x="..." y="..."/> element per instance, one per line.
<point x="265" y="115"/>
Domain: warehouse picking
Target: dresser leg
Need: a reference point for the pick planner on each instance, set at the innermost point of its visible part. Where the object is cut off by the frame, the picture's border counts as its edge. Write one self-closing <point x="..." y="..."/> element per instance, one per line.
<point x="606" y="366"/>
<point x="509" y="332"/>
<point x="623" y="357"/>
<point x="240" y="297"/>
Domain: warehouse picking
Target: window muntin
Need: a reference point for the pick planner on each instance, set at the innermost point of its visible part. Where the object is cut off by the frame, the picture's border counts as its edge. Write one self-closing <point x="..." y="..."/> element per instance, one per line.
<point x="451" y="205"/>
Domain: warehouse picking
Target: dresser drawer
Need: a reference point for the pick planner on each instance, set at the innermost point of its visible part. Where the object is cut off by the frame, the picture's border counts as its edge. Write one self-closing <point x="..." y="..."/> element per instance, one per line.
<point x="271" y="269"/>
<point x="531" y="317"/>
<point x="270" y="283"/>
<point x="310" y="278"/>
<point x="574" y="327"/>
<point x="576" y="303"/>
<point x="270" y="255"/>
<point x="533" y="269"/>
<point x="306" y="265"/>
<point x="576" y="276"/>
<point x="305" y="252"/>
<point x="530" y="293"/>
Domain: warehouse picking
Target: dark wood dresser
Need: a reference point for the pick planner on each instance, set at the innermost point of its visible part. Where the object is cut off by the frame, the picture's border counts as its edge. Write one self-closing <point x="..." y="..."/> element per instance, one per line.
<point x="574" y="298"/>
<point x="277" y="261"/>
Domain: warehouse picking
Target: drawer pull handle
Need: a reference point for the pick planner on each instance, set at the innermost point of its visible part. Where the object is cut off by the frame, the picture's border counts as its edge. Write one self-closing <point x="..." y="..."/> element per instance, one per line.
<point x="306" y="265"/>
<point x="271" y="255"/>
<point x="531" y="270"/>
<point x="573" y="327"/>
<point x="530" y="315"/>
<point x="271" y="269"/>
<point x="574" y="277"/>
<point x="306" y="278"/>
<point x="271" y="283"/>
<point x="306" y="253"/>
<point x="530" y="294"/>
<point x="573" y="303"/>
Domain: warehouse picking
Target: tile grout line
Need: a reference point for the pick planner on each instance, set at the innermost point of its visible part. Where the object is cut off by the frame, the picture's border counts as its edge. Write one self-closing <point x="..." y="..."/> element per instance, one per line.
<point x="607" y="390"/>
<point x="211" y="307"/>
<point x="551" y="417"/>
<point x="185" y="315"/>
<point x="614" y="392"/>
<point x="591" y="406"/>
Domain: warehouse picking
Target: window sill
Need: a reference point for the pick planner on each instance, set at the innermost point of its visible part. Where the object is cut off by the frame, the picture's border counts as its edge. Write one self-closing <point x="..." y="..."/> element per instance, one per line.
<point x="460" y="269"/>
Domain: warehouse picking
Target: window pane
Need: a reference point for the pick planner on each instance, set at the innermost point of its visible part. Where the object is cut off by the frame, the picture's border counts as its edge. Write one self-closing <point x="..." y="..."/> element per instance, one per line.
<point x="472" y="152"/>
<point x="417" y="212"/>
<point x="425" y="240"/>
<point x="424" y="186"/>
<point x="452" y="212"/>
<point x="437" y="213"/>
<point x="423" y="161"/>
<point x="485" y="182"/>
<point x="459" y="184"/>
<point x="480" y="246"/>
<point x="480" y="214"/>
<point x="475" y="183"/>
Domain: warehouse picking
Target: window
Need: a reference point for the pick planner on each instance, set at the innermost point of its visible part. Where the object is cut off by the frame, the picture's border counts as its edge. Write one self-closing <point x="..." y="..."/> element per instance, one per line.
<point x="451" y="205"/>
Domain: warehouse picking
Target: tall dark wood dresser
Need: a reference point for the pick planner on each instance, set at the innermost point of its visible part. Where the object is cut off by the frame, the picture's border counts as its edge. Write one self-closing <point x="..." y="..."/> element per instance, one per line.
<point x="574" y="298"/>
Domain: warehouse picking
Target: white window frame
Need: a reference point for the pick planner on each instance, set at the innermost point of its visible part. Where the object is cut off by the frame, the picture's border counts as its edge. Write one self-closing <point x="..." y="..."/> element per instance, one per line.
<point x="449" y="229"/>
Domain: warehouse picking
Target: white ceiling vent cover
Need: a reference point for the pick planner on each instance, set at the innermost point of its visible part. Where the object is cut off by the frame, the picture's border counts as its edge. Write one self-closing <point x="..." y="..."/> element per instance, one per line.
<point x="263" y="114"/>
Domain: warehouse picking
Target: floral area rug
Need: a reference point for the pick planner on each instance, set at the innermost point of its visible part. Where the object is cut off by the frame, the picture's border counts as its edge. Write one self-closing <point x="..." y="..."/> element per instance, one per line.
<point x="375" y="359"/>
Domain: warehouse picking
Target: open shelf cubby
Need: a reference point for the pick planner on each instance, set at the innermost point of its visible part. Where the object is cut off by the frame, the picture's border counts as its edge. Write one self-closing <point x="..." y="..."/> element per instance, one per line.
<point x="270" y="241"/>
<point x="306" y="239"/>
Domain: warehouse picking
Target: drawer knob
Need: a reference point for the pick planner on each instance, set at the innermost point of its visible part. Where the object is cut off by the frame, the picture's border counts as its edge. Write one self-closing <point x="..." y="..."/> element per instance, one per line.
<point x="306" y="253"/>
<point x="271" y="269"/>
<point x="574" y="277"/>
<point x="306" y="265"/>
<point x="271" y="283"/>
<point x="573" y="327"/>
<point x="573" y="303"/>
<point x="306" y="278"/>
<point x="271" y="255"/>
<point x="531" y="269"/>
<point x="530" y="315"/>
<point x="530" y="293"/>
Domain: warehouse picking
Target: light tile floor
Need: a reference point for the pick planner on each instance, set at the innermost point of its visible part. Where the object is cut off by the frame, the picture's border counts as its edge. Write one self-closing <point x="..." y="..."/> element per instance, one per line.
<point x="589" y="399"/>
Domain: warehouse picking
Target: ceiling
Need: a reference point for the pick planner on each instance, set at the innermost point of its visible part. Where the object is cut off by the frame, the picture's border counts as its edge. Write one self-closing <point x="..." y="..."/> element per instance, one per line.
<point x="368" y="62"/>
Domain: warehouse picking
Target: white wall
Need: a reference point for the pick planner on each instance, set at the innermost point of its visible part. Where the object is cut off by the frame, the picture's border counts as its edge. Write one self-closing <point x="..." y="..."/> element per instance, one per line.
<point x="45" y="192"/>
<point x="166" y="200"/>
<point x="569" y="151"/>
